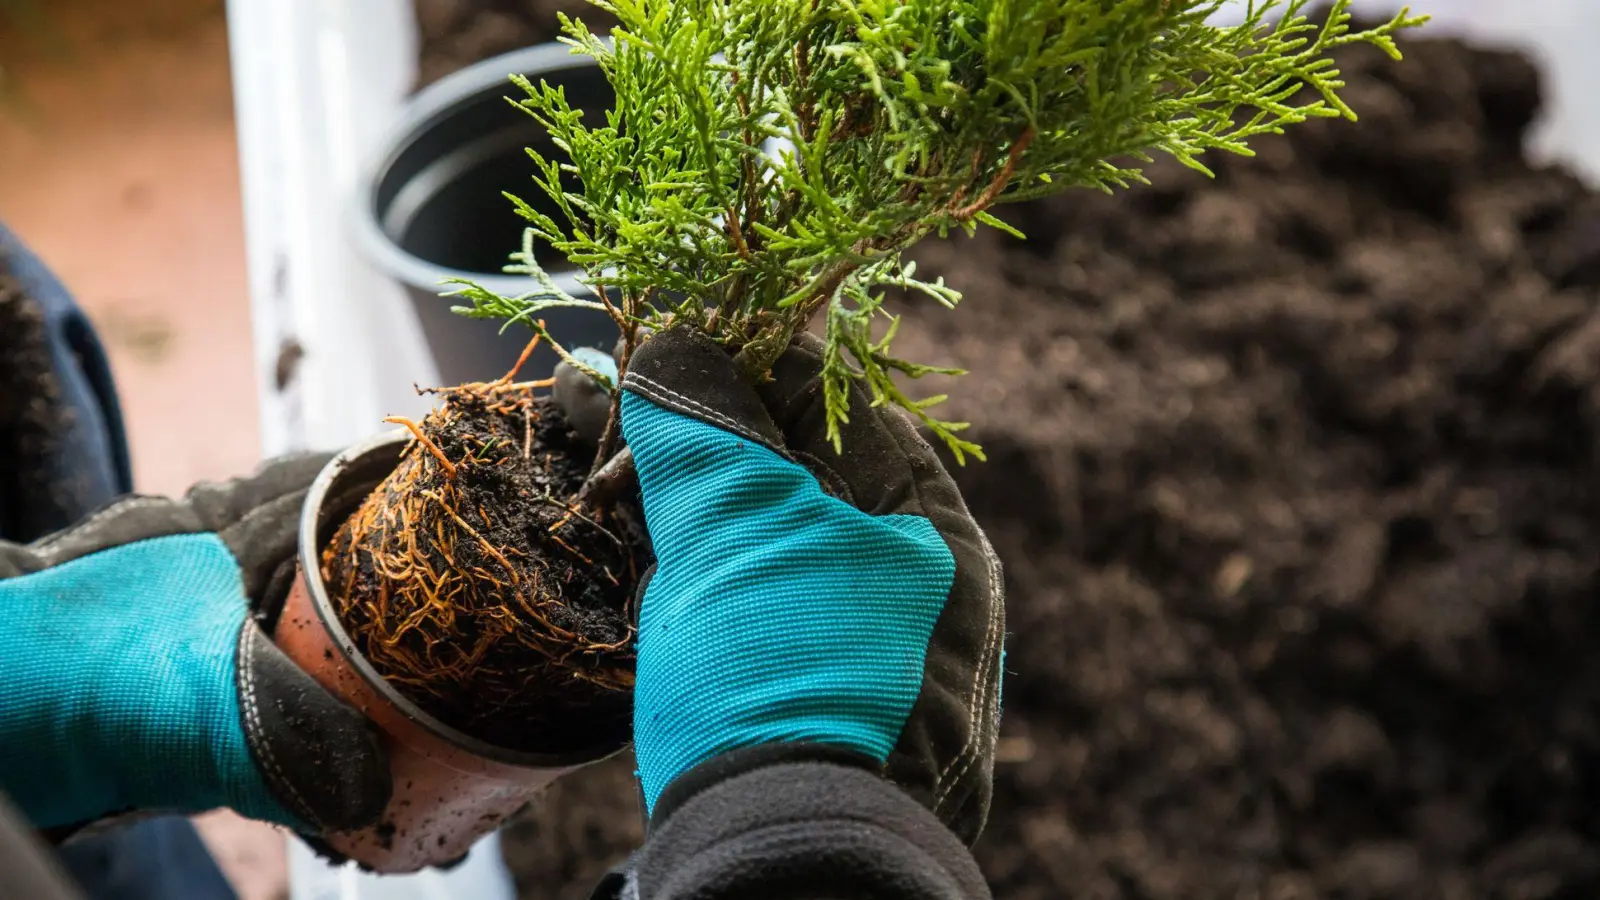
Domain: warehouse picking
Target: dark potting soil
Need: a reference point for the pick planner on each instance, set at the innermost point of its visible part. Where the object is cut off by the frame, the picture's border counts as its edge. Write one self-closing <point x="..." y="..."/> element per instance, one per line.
<point x="34" y="422"/>
<point x="457" y="33"/>
<point x="539" y="632"/>
<point x="1296" y="478"/>
<point x="577" y="830"/>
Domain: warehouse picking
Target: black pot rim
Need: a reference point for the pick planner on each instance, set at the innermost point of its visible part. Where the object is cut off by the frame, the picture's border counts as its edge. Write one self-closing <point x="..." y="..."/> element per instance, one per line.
<point x="360" y="456"/>
<point x="422" y="113"/>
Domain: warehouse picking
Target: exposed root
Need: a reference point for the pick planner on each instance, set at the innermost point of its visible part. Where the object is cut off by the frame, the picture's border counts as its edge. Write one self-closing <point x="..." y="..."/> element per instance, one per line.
<point x="521" y="360"/>
<point x="425" y="441"/>
<point x="611" y="481"/>
<point x="476" y="579"/>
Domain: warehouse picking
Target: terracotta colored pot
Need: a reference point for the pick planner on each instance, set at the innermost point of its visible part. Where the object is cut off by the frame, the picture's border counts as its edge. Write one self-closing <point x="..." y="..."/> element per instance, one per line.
<point x="450" y="789"/>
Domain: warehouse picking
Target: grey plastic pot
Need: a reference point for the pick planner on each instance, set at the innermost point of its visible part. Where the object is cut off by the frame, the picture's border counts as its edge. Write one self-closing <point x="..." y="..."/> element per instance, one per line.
<point x="433" y="208"/>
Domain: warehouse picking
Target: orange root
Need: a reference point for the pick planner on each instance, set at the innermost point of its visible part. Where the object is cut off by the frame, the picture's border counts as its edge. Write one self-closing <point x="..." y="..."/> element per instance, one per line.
<point x="424" y="440"/>
<point x="521" y="360"/>
<point x="443" y="603"/>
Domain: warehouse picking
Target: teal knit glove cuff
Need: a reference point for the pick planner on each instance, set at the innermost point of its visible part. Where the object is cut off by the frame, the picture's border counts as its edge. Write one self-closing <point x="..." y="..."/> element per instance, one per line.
<point x="117" y="685"/>
<point x="135" y="673"/>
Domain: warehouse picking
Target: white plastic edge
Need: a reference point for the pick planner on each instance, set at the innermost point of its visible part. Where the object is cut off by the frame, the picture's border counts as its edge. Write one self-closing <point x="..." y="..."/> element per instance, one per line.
<point x="317" y="83"/>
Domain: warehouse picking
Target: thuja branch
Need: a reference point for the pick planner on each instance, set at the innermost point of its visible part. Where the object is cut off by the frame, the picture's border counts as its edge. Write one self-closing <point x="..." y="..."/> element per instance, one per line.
<point x="770" y="161"/>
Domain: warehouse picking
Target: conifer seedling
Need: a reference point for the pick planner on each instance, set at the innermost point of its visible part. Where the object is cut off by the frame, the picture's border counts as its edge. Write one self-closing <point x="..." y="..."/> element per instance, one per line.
<point x="765" y="168"/>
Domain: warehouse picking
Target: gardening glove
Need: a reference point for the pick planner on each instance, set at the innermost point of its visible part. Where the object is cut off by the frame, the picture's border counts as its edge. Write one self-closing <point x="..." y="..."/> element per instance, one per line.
<point x="135" y="673"/>
<point x="586" y="403"/>
<point x="805" y="603"/>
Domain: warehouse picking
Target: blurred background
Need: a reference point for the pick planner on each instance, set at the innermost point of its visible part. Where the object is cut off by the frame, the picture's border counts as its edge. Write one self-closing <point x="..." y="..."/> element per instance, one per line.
<point x="1294" y="472"/>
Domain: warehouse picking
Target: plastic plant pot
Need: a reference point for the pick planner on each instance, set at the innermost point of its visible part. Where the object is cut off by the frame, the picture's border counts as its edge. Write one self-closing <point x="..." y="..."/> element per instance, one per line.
<point x="450" y="789"/>
<point x="434" y="208"/>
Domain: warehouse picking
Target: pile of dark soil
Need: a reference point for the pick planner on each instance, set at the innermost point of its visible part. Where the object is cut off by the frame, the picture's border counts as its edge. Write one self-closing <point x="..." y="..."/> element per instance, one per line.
<point x="585" y="824"/>
<point x="1297" y="480"/>
<point x="1295" y="474"/>
<point x="458" y="33"/>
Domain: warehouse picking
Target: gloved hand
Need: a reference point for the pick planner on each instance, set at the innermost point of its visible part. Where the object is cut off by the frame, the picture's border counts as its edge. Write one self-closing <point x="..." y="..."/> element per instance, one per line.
<point x="134" y="674"/>
<point x="803" y="599"/>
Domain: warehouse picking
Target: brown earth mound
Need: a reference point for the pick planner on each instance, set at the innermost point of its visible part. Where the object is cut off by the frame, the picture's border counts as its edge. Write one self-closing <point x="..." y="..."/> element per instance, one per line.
<point x="1295" y="473"/>
<point x="458" y="33"/>
<point x="1296" y="477"/>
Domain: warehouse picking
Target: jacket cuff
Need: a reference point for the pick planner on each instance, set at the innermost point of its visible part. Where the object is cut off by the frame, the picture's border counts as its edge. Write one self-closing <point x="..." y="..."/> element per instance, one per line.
<point x="799" y="821"/>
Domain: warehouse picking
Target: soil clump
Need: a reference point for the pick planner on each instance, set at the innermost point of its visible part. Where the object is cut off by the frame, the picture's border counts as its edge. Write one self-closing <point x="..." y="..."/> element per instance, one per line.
<point x="473" y="584"/>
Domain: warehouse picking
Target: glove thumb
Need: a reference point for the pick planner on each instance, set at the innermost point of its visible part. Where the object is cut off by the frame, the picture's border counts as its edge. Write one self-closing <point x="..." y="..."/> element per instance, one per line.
<point x="321" y="759"/>
<point x="586" y="402"/>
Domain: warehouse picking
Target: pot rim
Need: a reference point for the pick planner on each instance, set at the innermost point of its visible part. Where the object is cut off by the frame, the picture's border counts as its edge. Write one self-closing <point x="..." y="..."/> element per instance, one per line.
<point x="311" y="570"/>
<point x="424" y="112"/>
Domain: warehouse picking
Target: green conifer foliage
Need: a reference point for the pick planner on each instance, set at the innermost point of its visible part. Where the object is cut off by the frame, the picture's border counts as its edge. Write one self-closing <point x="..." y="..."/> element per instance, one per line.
<point x="770" y="161"/>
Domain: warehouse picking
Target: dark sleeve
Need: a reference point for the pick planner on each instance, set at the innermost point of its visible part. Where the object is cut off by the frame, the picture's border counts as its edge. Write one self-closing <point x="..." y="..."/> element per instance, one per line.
<point x="26" y="868"/>
<point x="799" y="822"/>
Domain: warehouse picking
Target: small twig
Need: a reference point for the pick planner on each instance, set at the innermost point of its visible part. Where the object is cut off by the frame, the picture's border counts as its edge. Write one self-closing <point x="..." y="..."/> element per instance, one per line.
<point x="617" y="315"/>
<point x="424" y="440"/>
<point x="546" y="498"/>
<point x="608" y="435"/>
<point x="1001" y="180"/>
<point x="613" y="426"/>
<point x="561" y="352"/>
<point x="609" y="482"/>
<point x="961" y="193"/>
<point x="737" y="235"/>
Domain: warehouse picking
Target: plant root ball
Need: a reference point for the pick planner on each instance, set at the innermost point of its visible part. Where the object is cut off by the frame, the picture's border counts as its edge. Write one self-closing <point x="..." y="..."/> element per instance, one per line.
<point x="472" y="581"/>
